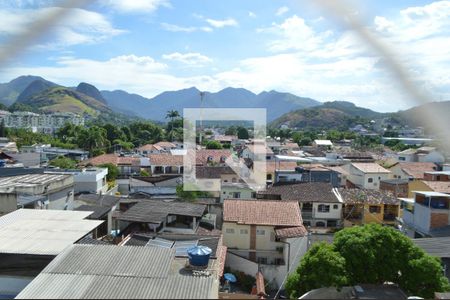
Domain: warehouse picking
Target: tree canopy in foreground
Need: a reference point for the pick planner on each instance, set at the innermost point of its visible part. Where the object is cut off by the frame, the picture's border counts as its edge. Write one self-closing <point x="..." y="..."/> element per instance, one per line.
<point x="372" y="254"/>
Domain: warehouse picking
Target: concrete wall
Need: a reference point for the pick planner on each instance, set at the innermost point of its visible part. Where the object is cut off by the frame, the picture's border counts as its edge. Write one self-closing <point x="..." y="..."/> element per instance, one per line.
<point x="227" y="192"/>
<point x="8" y="203"/>
<point x="61" y="200"/>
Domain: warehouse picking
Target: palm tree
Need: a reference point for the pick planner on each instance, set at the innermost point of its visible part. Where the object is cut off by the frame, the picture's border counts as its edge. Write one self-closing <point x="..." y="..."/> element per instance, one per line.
<point x="172" y="114"/>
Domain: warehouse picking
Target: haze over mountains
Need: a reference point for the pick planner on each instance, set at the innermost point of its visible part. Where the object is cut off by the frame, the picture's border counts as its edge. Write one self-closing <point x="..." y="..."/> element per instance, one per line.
<point x="282" y="108"/>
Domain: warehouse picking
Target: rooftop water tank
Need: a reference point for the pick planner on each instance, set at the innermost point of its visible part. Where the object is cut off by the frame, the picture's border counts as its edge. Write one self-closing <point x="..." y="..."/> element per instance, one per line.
<point x="199" y="255"/>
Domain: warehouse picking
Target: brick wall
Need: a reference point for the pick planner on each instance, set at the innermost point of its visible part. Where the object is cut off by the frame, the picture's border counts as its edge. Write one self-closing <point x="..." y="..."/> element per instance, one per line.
<point x="438" y="220"/>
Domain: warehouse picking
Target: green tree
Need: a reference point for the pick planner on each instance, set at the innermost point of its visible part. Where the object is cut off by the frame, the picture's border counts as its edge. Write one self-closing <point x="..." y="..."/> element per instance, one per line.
<point x="114" y="133"/>
<point x="189" y="196"/>
<point x="93" y="138"/>
<point x="172" y="115"/>
<point x="63" y="162"/>
<point x="320" y="267"/>
<point x="370" y="254"/>
<point x="242" y="133"/>
<point x="144" y="173"/>
<point x="231" y="130"/>
<point x="213" y="145"/>
<point x="113" y="171"/>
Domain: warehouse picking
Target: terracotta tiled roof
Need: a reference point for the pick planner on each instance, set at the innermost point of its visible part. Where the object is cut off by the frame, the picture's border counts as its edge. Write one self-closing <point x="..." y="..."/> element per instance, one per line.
<point x="112" y="159"/>
<point x="225" y="138"/>
<point x="149" y="147"/>
<point x="213" y="172"/>
<point x="290" y="232"/>
<point x="370" y="168"/>
<point x="352" y="196"/>
<point x="417" y="169"/>
<point x="291" y="146"/>
<point x="439" y="186"/>
<point x="102" y="159"/>
<point x="165" y="160"/>
<point x="271" y="166"/>
<point x="259" y="149"/>
<point x="262" y="212"/>
<point x="165" y="145"/>
<point x="302" y="192"/>
<point x="202" y="156"/>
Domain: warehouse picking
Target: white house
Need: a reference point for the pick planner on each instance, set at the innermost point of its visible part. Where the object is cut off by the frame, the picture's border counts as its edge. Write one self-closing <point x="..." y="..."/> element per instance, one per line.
<point x="366" y="175"/>
<point x="88" y="180"/>
<point x="422" y="154"/>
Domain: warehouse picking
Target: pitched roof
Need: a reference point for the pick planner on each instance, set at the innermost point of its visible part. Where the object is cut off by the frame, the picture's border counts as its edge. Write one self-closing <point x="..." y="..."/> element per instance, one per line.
<point x="370" y="168"/>
<point x="290" y="232"/>
<point x="97" y="211"/>
<point x="303" y="192"/>
<point x="416" y="169"/>
<point x="109" y="271"/>
<point x="272" y="166"/>
<point x="156" y="211"/>
<point x="366" y="196"/>
<point x="262" y="212"/>
<point x="213" y="171"/>
<point x="438" y="246"/>
<point x="165" y="159"/>
<point x="149" y="147"/>
<point x="201" y="156"/>
<point x="98" y="200"/>
<point x="439" y="186"/>
<point x="165" y="144"/>
<point x="112" y="159"/>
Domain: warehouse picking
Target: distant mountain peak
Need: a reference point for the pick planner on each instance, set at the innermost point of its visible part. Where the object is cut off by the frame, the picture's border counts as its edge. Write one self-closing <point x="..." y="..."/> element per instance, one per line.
<point x="91" y="91"/>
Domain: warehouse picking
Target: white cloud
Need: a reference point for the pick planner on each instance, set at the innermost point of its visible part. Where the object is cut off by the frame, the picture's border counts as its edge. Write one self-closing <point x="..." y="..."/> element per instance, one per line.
<point x="222" y="23"/>
<point x="191" y="59"/>
<point x="282" y="10"/>
<point x="136" y="6"/>
<point x="294" y="34"/>
<point x="79" y="26"/>
<point x="251" y="14"/>
<point x="177" y="28"/>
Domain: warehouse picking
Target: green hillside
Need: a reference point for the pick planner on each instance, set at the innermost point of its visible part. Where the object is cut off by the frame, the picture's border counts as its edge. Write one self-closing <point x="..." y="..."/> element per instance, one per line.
<point x="61" y="99"/>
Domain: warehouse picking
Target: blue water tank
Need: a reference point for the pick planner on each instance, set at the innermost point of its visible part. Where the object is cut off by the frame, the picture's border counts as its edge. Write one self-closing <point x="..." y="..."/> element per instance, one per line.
<point x="199" y="255"/>
<point x="2" y="163"/>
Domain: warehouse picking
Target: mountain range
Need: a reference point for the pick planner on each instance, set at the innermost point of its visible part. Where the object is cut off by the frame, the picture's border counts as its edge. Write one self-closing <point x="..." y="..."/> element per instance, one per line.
<point x="41" y="95"/>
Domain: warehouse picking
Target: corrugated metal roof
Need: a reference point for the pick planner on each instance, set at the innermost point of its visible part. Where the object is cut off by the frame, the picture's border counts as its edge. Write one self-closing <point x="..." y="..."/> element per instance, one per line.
<point x="439" y="247"/>
<point x="115" y="272"/>
<point x="113" y="261"/>
<point x="42" y="232"/>
<point x="70" y="286"/>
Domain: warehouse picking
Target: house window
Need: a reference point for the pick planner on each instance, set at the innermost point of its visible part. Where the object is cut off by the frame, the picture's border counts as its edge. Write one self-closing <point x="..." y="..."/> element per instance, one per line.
<point x="374" y="209"/>
<point x="260" y="232"/>
<point x="244" y="231"/>
<point x="262" y="260"/>
<point x="229" y="230"/>
<point x="402" y="158"/>
<point x="272" y="236"/>
<point x="331" y="223"/>
<point x="236" y="195"/>
<point x="370" y="180"/>
<point x="279" y="261"/>
<point x="324" y="208"/>
<point x="335" y="206"/>
<point x="269" y="176"/>
<point x="306" y="223"/>
<point x="253" y="195"/>
<point x="320" y="224"/>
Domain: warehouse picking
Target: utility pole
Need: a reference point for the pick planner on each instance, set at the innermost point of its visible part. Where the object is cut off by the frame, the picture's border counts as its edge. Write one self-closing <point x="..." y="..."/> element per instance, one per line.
<point x="202" y="95"/>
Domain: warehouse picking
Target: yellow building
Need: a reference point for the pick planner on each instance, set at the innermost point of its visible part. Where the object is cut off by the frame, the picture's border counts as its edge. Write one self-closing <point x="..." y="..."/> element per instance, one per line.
<point x="363" y="206"/>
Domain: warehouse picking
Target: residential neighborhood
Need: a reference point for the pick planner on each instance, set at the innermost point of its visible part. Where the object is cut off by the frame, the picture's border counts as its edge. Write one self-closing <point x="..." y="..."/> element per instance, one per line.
<point x="173" y="149"/>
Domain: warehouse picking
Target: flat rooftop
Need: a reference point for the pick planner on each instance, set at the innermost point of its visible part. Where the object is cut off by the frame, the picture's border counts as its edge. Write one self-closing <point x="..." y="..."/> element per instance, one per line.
<point x="43" y="232"/>
<point x="9" y="184"/>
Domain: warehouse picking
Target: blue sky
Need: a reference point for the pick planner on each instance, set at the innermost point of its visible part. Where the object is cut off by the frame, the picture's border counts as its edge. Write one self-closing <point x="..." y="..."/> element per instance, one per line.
<point x="149" y="46"/>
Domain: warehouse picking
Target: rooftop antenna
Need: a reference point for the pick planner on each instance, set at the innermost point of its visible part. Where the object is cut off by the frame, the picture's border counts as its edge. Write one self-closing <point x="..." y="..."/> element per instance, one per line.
<point x="202" y="95"/>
